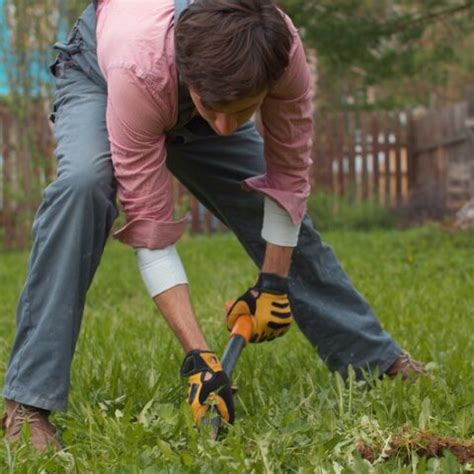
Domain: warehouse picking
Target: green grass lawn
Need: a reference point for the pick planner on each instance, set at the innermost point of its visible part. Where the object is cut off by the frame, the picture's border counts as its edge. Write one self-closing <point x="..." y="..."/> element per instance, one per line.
<point x="127" y="413"/>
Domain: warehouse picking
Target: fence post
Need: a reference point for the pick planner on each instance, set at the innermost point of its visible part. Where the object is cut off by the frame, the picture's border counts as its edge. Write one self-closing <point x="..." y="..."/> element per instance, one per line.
<point x="8" y="223"/>
<point x="470" y="110"/>
<point x="364" y="151"/>
<point x="470" y="133"/>
<point x="351" y="156"/>
<point x="398" y="159"/>
<point x="387" y="161"/>
<point x="411" y="155"/>
<point x="375" y="158"/>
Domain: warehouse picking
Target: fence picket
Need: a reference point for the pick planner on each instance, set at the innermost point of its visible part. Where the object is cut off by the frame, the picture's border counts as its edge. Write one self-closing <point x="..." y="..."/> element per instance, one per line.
<point x="398" y="161"/>
<point x="375" y="159"/>
<point x="388" y="162"/>
<point x="351" y="158"/>
<point x="364" y="158"/>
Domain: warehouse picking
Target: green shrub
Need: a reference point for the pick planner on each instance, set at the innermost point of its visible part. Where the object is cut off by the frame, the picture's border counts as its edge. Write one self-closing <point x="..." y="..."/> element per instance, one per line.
<point x="331" y="212"/>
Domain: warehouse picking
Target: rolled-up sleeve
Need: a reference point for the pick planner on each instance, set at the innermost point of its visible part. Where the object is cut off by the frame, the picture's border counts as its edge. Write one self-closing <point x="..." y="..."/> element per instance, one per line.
<point x="137" y="139"/>
<point x="287" y="121"/>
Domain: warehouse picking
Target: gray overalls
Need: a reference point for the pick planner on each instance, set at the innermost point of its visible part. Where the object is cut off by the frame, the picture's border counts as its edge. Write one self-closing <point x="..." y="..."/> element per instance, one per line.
<point x="78" y="209"/>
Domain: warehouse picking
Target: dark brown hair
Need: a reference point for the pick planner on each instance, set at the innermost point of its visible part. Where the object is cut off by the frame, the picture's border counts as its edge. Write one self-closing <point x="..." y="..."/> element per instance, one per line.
<point x="227" y="50"/>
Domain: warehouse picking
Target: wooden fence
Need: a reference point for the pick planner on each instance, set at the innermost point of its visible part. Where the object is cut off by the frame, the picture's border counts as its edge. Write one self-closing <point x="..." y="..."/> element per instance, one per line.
<point x="363" y="156"/>
<point x="442" y="153"/>
<point x="425" y="164"/>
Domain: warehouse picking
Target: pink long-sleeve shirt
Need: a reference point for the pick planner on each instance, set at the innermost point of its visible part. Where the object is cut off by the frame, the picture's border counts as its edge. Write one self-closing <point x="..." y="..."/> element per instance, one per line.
<point x="135" y="47"/>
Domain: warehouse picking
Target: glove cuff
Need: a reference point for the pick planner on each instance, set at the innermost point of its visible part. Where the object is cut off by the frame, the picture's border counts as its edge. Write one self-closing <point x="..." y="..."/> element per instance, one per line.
<point x="272" y="283"/>
<point x="200" y="361"/>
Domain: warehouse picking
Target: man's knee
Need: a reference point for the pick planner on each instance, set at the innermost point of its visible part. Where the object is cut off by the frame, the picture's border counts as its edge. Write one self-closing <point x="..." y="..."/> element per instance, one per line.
<point x="86" y="181"/>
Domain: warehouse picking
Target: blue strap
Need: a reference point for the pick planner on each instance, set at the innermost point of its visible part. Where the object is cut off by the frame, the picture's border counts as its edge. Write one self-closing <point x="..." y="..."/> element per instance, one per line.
<point x="179" y="7"/>
<point x="185" y="104"/>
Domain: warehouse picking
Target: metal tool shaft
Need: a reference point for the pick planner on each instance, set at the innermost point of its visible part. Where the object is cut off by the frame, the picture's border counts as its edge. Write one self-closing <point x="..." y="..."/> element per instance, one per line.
<point x="240" y="335"/>
<point x="231" y="354"/>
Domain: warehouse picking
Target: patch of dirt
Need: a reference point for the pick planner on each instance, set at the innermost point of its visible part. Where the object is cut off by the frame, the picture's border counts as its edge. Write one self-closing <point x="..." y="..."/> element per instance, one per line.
<point x="366" y="451"/>
<point x="421" y="443"/>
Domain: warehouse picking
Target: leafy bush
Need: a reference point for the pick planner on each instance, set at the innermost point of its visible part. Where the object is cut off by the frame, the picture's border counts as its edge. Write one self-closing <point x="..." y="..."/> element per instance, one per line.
<point x="330" y="212"/>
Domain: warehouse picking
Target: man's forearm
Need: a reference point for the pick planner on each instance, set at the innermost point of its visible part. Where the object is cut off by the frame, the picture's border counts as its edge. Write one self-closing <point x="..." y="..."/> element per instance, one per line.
<point x="277" y="259"/>
<point x="175" y="304"/>
<point x="164" y="276"/>
<point x="281" y="235"/>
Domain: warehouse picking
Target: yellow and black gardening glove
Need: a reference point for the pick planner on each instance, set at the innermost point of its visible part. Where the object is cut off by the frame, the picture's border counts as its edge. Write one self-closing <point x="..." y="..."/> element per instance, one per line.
<point x="208" y="385"/>
<point x="268" y="303"/>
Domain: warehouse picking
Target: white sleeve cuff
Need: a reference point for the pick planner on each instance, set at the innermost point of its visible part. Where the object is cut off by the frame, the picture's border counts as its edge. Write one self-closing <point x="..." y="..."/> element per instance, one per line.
<point x="278" y="228"/>
<point x="161" y="269"/>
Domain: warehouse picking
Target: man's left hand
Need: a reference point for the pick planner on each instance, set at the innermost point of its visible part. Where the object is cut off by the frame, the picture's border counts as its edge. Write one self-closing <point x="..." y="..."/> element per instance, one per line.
<point x="267" y="302"/>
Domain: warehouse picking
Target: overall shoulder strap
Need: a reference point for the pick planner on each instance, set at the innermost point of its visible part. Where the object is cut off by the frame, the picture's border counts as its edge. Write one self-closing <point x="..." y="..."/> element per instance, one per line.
<point x="179" y="7"/>
<point x="185" y="104"/>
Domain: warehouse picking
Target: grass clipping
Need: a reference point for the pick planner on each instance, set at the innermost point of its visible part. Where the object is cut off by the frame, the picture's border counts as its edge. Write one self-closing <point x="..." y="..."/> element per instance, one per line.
<point x="422" y="443"/>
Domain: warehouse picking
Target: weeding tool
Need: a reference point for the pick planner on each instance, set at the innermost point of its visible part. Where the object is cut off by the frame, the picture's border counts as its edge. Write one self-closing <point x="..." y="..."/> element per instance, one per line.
<point x="238" y="339"/>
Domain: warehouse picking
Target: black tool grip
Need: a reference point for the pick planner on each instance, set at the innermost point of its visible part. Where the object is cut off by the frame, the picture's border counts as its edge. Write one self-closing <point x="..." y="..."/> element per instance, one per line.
<point x="232" y="353"/>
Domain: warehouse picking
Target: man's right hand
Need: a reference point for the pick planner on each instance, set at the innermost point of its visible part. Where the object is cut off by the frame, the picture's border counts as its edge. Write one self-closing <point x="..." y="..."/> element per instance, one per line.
<point x="207" y="383"/>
